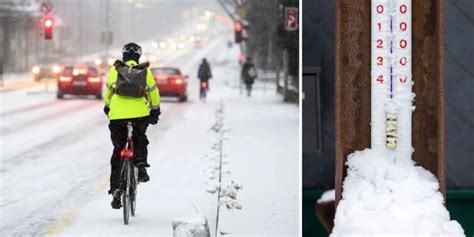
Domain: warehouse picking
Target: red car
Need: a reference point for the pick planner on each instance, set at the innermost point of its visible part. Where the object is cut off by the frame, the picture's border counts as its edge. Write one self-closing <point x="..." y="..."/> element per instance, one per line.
<point x="80" y="80"/>
<point x="171" y="82"/>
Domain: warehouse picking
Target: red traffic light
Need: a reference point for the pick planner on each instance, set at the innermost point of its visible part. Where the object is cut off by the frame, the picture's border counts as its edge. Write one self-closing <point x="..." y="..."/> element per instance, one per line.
<point x="48" y="23"/>
<point x="238" y="32"/>
<point x="238" y="26"/>
<point x="48" y="26"/>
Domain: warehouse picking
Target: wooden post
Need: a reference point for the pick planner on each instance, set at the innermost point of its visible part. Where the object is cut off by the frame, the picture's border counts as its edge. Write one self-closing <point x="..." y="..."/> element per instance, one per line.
<point x="353" y="103"/>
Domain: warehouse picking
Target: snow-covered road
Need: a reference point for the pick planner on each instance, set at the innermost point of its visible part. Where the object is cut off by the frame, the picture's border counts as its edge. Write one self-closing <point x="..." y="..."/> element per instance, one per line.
<point x="55" y="160"/>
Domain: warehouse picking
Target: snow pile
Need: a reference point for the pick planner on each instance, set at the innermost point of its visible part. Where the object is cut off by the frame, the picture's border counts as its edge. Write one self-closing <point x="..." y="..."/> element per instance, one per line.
<point x="328" y="196"/>
<point x="219" y="178"/>
<point x="229" y="195"/>
<point x="382" y="197"/>
<point x="191" y="226"/>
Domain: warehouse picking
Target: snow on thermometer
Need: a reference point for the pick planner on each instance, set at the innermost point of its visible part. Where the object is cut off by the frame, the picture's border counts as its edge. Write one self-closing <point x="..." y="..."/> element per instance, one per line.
<point x="391" y="78"/>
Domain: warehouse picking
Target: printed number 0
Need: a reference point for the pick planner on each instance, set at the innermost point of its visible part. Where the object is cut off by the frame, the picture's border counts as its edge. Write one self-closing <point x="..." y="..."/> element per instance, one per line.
<point x="403" y="26"/>
<point x="379" y="9"/>
<point x="403" y="43"/>
<point x="403" y="8"/>
<point x="403" y="61"/>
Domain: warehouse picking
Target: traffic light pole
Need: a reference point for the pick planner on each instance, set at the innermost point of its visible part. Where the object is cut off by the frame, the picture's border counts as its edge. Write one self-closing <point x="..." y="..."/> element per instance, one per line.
<point x="47" y="59"/>
<point x="107" y="14"/>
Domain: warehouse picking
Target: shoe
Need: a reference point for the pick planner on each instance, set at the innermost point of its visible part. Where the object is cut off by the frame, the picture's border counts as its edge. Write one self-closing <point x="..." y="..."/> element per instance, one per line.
<point x="142" y="175"/>
<point x="116" y="203"/>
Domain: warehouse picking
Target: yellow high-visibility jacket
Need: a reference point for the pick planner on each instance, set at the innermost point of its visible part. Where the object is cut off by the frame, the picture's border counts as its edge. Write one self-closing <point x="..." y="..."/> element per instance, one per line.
<point x="123" y="107"/>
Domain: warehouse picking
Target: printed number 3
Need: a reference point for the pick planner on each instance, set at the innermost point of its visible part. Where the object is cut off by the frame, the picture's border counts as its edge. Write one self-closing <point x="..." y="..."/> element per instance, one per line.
<point x="380" y="61"/>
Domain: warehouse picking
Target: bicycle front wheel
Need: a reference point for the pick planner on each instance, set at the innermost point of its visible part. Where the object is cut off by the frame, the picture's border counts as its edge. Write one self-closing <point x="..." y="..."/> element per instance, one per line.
<point x="126" y="190"/>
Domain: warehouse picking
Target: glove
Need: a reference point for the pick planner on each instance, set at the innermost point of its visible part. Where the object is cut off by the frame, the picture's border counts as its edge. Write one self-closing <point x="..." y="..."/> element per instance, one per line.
<point x="106" y="110"/>
<point x="154" y="115"/>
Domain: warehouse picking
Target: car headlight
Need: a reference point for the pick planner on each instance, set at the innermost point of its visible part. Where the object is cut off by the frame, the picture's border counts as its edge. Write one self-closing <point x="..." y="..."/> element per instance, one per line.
<point x="98" y="62"/>
<point x="110" y="61"/>
<point x="56" y="69"/>
<point x="35" y="70"/>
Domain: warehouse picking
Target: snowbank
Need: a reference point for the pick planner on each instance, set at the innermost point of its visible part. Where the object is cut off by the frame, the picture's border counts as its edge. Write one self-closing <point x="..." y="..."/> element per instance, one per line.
<point x="383" y="197"/>
<point x="191" y="226"/>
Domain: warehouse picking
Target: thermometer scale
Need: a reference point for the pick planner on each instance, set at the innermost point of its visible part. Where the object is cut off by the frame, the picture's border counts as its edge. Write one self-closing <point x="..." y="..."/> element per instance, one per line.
<point x="391" y="78"/>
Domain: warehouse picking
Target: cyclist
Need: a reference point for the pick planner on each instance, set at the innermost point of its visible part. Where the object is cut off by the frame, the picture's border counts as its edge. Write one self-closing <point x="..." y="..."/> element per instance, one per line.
<point x="131" y="94"/>
<point x="204" y="72"/>
<point x="248" y="74"/>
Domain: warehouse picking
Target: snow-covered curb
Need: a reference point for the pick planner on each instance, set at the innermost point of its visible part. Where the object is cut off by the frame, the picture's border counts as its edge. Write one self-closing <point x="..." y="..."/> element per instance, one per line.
<point x="220" y="172"/>
<point x="381" y="197"/>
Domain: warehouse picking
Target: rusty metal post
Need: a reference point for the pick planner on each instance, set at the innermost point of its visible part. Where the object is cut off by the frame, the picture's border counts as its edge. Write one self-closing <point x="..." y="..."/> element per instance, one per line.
<point x="353" y="103"/>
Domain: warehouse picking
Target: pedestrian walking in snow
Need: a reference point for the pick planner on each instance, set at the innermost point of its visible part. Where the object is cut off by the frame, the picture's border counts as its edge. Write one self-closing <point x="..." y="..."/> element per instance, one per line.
<point x="249" y="74"/>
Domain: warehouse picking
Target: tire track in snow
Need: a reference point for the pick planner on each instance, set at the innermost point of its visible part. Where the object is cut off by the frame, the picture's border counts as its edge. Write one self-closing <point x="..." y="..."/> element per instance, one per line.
<point x="46" y="214"/>
<point x="29" y="108"/>
<point x="68" y="138"/>
<point x="73" y="193"/>
<point x="31" y="122"/>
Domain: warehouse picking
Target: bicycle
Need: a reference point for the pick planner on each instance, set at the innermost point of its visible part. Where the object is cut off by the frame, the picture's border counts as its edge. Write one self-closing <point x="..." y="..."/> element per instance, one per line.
<point x="203" y="90"/>
<point x="249" y="90"/>
<point x="128" y="177"/>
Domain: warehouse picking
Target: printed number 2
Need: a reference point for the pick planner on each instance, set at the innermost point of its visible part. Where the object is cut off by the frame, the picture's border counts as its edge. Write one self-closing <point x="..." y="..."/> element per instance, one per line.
<point x="379" y="43"/>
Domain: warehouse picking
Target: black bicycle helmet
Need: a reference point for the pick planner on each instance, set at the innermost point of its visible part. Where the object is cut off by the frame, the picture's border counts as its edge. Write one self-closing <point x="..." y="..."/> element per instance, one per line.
<point x="132" y="48"/>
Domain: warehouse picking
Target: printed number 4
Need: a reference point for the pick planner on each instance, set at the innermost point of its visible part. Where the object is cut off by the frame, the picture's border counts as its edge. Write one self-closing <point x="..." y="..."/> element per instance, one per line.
<point x="380" y="78"/>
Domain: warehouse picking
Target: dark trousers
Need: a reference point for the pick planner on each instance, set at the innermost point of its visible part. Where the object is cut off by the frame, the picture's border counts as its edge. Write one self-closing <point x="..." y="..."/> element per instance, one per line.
<point x="118" y="135"/>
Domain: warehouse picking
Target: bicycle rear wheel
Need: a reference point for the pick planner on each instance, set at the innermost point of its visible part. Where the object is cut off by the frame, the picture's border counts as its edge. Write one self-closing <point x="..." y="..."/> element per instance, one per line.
<point x="126" y="190"/>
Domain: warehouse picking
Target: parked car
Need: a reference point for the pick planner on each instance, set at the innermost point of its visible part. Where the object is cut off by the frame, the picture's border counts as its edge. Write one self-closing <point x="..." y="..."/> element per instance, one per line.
<point x="80" y="80"/>
<point x="45" y="71"/>
<point x="171" y="82"/>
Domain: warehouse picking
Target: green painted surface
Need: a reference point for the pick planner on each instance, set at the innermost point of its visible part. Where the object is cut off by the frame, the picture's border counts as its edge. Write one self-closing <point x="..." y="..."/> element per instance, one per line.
<point x="460" y="205"/>
<point x="311" y="226"/>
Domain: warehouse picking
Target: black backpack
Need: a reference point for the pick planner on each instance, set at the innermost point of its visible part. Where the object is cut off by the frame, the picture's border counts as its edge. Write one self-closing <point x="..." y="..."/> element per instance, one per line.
<point x="131" y="80"/>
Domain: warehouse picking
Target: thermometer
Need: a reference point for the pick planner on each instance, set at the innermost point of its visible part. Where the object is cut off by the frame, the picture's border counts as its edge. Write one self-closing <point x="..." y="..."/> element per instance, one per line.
<point x="391" y="78"/>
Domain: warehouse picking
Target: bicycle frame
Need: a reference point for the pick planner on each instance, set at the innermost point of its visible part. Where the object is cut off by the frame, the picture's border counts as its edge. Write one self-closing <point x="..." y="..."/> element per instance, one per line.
<point x="127" y="151"/>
